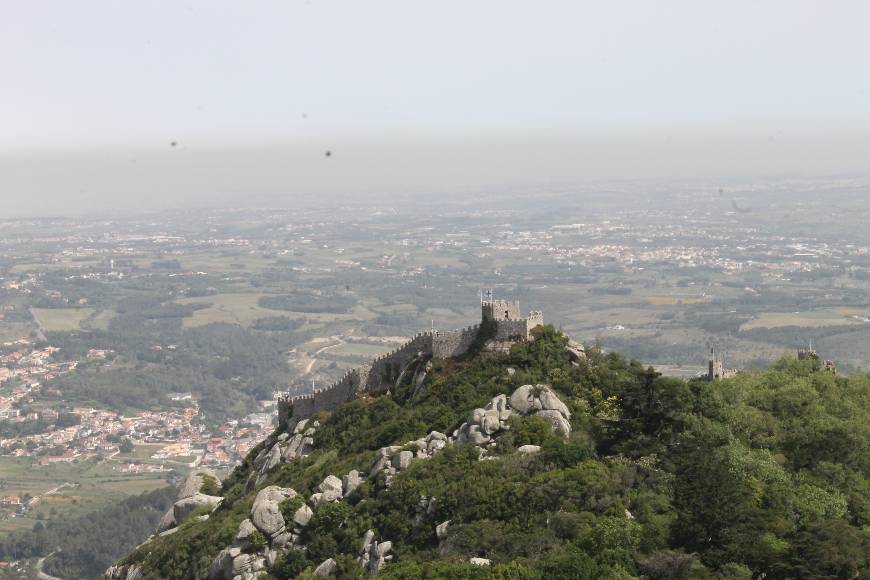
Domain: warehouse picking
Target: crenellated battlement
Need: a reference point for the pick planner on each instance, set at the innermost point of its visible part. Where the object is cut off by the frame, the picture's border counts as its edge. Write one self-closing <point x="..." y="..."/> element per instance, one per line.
<point x="385" y="371"/>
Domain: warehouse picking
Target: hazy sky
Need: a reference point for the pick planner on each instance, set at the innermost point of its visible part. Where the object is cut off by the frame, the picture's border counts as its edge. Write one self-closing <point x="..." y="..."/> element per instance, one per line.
<point x="422" y="96"/>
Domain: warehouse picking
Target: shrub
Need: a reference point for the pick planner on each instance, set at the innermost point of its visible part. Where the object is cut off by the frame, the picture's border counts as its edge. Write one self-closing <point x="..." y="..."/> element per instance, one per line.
<point x="289" y="507"/>
<point x="289" y="565"/>
<point x="209" y="485"/>
<point x="258" y="541"/>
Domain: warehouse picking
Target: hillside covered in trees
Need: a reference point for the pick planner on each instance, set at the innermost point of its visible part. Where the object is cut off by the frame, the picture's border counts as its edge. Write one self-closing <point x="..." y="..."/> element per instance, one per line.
<point x="767" y="474"/>
<point x="82" y="546"/>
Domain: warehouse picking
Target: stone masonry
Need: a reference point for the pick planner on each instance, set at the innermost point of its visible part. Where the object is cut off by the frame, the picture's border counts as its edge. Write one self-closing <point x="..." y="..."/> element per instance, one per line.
<point x="387" y="370"/>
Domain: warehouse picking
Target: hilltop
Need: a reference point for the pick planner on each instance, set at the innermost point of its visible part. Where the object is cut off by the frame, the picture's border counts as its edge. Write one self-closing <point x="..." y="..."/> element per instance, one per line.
<point x="536" y="458"/>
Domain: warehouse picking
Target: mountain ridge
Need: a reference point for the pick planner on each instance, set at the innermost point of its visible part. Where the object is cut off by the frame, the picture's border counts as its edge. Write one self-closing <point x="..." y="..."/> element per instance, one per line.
<point x="536" y="463"/>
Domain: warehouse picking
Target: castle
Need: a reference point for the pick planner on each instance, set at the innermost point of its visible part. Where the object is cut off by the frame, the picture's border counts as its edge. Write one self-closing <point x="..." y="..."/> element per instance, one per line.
<point x="811" y="354"/>
<point x="386" y="371"/>
<point x="716" y="370"/>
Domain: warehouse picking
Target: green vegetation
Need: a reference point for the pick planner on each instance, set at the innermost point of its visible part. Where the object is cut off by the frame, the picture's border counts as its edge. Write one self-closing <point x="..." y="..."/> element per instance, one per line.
<point x="94" y="485"/>
<point x="209" y="484"/>
<point x="61" y="319"/>
<point x="84" y="546"/>
<point x="228" y="367"/>
<point x="767" y="473"/>
<point x="333" y="303"/>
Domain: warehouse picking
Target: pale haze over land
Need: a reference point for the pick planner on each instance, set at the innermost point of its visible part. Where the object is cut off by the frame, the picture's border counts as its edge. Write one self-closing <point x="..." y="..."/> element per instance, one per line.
<point x="417" y="97"/>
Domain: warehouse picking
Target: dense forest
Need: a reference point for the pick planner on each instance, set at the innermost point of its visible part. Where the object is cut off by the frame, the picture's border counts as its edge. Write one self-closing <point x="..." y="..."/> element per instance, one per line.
<point x="762" y="475"/>
<point x="228" y="367"/>
<point x="83" y="546"/>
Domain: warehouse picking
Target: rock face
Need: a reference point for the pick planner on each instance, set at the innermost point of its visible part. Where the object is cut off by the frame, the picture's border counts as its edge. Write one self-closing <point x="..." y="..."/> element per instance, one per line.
<point x="524" y="399"/>
<point x="541" y="401"/>
<point x="301" y="443"/>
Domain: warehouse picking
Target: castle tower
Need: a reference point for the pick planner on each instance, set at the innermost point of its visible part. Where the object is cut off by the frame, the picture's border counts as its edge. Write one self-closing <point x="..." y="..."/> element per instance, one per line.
<point x="500" y="310"/>
<point x="807" y="354"/>
<point x="715" y="368"/>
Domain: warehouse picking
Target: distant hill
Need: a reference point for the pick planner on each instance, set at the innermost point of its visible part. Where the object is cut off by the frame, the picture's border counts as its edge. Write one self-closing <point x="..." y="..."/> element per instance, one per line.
<point x="539" y="463"/>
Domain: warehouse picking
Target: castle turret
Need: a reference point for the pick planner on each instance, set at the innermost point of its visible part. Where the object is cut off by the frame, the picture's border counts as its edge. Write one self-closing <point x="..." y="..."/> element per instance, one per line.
<point x="500" y="310"/>
<point x="716" y="370"/>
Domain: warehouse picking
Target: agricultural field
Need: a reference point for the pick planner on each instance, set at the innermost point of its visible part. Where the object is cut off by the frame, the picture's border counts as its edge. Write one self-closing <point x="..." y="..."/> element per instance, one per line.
<point x="82" y="487"/>
<point x="239" y="309"/>
<point x="811" y="319"/>
<point x="62" y="319"/>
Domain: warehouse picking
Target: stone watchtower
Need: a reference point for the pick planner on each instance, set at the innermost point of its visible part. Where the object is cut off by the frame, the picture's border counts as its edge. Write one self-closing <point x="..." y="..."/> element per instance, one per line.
<point x="510" y="325"/>
<point x="716" y="369"/>
<point x="500" y="310"/>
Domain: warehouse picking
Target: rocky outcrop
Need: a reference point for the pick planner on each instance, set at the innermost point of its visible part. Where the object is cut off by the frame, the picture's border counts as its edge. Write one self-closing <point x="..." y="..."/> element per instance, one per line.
<point x="190" y="488"/>
<point x="185" y="506"/>
<point x="441" y="530"/>
<point x="393" y="459"/>
<point x="244" y="560"/>
<point x="234" y="564"/>
<point x="484" y="424"/>
<point x="131" y="572"/>
<point x="302" y="516"/>
<point x="326" y="568"/>
<point x="541" y="401"/>
<point x="329" y="490"/>
<point x="576" y="352"/>
<point x="350" y="482"/>
<point x="373" y="554"/>
<point x="286" y="447"/>
<point x="194" y="482"/>
<point x="266" y="513"/>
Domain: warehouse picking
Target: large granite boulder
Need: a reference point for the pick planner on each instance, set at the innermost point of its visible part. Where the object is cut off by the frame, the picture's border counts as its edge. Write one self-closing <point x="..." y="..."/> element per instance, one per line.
<point x="266" y="513"/>
<point x="167" y="521"/>
<point x="302" y="516"/>
<point x="576" y="351"/>
<point x="194" y="482"/>
<point x="558" y="423"/>
<point x="326" y="568"/>
<point x="183" y="507"/>
<point x="330" y="489"/>
<point x="541" y="401"/>
<point x="525" y="401"/>
<point x="350" y="482"/>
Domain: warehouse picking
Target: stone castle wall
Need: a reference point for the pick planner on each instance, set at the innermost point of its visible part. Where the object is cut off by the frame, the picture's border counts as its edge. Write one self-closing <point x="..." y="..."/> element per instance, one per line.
<point x="384" y="371"/>
<point x="337" y="394"/>
<point x="453" y="343"/>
